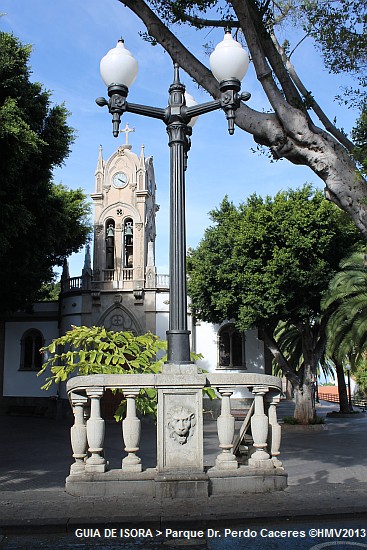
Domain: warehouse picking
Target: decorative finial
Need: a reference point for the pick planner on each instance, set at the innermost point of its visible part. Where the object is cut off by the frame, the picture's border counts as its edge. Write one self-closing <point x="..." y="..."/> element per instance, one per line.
<point x="87" y="258"/>
<point x="176" y="79"/>
<point x="127" y="131"/>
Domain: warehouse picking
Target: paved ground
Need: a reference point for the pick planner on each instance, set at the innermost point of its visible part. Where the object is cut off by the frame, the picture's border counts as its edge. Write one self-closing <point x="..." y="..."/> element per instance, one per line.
<point x="327" y="472"/>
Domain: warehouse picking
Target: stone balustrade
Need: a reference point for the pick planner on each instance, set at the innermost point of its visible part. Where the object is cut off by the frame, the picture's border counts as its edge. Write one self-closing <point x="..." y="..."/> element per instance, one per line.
<point x="72" y="284"/>
<point x="162" y="280"/>
<point x="180" y="467"/>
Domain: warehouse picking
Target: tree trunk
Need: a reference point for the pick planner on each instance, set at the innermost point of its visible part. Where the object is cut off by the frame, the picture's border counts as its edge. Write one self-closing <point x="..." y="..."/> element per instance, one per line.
<point x="313" y="343"/>
<point x="304" y="411"/>
<point x="304" y="394"/>
<point x="342" y="388"/>
<point x="303" y="381"/>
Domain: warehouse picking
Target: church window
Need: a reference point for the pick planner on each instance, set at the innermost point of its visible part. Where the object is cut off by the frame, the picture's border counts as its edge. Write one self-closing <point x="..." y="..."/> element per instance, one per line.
<point x="31" y="343"/>
<point x="231" y="344"/>
<point x="110" y="243"/>
<point x="128" y="243"/>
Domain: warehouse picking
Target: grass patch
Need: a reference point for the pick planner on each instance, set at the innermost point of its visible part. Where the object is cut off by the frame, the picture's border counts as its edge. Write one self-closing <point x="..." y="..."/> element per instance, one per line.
<point x="290" y="420"/>
<point x="293" y="421"/>
<point x="317" y="420"/>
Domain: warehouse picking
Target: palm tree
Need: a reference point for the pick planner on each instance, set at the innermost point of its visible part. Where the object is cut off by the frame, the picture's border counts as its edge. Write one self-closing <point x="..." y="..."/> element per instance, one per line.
<point x="291" y="343"/>
<point x="346" y="330"/>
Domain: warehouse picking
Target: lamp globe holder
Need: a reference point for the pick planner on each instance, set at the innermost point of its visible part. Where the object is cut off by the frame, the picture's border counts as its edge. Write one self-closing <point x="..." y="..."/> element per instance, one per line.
<point x="229" y="63"/>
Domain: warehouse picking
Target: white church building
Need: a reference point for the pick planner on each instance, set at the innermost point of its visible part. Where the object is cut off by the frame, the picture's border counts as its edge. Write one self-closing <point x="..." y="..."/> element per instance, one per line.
<point x="119" y="288"/>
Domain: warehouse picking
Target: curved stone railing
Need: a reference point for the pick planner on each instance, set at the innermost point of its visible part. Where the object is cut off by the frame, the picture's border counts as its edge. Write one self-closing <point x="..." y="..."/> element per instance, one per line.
<point x="72" y="284"/>
<point x="179" y="441"/>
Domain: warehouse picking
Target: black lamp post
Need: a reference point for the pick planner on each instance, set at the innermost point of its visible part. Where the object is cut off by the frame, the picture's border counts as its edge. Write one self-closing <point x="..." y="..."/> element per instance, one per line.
<point x="349" y="389"/>
<point x="229" y="63"/>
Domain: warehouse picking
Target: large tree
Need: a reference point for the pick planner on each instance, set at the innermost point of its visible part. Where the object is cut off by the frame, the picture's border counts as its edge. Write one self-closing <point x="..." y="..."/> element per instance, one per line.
<point x="288" y="130"/>
<point x="40" y="223"/>
<point x="270" y="260"/>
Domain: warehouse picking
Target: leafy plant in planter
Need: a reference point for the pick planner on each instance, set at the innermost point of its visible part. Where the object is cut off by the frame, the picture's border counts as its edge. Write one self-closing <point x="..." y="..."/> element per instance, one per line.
<point x="94" y="350"/>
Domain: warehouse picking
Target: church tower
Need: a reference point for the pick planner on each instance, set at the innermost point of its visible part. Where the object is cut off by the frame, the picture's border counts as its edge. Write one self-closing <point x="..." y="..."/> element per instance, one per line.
<point x="121" y="291"/>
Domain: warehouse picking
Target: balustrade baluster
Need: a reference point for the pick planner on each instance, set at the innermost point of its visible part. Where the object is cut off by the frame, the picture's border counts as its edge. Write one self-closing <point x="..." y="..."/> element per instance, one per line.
<point x="275" y="430"/>
<point x="95" y="433"/>
<point x="226" y="460"/>
<point x="78" y="434"/>
<point x="259" y="427"/>
<point x="131" y="432"/>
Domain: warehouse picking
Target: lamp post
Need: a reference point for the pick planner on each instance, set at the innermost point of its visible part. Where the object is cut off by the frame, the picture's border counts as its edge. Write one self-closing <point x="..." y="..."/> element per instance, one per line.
<point x="229" y="63"/>
<point x="349" y="391"/>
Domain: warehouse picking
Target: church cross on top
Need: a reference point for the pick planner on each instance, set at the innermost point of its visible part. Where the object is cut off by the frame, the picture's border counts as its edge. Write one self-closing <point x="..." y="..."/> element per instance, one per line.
<point x="127" y="131"/>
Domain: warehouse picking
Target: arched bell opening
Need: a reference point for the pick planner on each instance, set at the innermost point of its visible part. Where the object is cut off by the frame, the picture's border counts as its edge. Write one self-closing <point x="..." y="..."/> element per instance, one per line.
<point x="128" y="243"/>
<point x="110" y="243"/>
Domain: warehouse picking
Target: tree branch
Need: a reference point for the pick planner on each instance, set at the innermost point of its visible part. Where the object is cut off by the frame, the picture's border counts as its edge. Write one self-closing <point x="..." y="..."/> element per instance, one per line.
<point x="177" y="51"/>
<point x="287" y="132"/>
<point x="292" y="119"/>
<point x="201" y="22"/>
<point x="314" y="105"/>
<point x="268" y="338"/>
<point x="274" y="58"/>
<point x="263" y="126"/>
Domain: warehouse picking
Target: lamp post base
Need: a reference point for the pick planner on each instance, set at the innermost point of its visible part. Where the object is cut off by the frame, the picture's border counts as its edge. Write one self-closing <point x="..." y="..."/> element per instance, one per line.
<point x="178" y="347"/>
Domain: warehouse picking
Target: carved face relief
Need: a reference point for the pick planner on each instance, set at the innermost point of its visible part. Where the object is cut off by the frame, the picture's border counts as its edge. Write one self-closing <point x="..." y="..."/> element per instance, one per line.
<point x="181" y="424"/>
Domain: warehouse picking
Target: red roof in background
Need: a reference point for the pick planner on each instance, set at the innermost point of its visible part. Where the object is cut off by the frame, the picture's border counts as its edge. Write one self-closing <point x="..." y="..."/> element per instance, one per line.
<point x="333" y="390"/>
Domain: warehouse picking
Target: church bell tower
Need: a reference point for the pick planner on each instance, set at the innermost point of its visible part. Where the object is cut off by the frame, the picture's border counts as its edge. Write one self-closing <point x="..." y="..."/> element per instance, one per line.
<point x="124" y="273"/>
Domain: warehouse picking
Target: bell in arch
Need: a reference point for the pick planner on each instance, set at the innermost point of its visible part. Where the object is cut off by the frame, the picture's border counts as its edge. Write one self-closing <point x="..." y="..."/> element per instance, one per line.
<point x="128" y="230"/>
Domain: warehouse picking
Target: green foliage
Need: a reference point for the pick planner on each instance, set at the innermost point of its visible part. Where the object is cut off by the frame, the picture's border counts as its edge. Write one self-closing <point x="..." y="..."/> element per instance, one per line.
<point x="293" y="421"/>
<point x="339" y="29"/>
<point x="269" y="259"/>
<point x="49" y="292"/>
<point x="290" y="420"/>
<point x="360" y="375"/>
<point x="290" y="339"/>
<point x="317" y="420"/>
<point x="175" y="10"/>
<point x="359" y="135"/>
<point x="40" y="223"/>
<point x="266" y="264"/>
<point x="347" y="326"/>
<point x="94" y="350"/>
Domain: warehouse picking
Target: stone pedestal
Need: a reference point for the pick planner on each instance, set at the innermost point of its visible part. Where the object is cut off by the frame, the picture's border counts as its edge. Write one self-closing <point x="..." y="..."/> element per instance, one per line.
<point x="180" y="420"/>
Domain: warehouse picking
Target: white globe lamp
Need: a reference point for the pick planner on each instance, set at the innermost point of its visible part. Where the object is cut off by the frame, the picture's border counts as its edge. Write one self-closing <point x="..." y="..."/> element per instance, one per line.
<point x="229" y="60"/>
<point x="119" y="66"/>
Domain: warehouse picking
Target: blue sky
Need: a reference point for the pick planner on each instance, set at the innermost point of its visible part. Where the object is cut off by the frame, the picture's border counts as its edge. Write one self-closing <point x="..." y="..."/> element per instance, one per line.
<point x="69" y="37"/>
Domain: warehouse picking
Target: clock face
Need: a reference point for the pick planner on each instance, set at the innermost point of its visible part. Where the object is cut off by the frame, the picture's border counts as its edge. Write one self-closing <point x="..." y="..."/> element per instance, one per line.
<point x="120" y="179"/>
